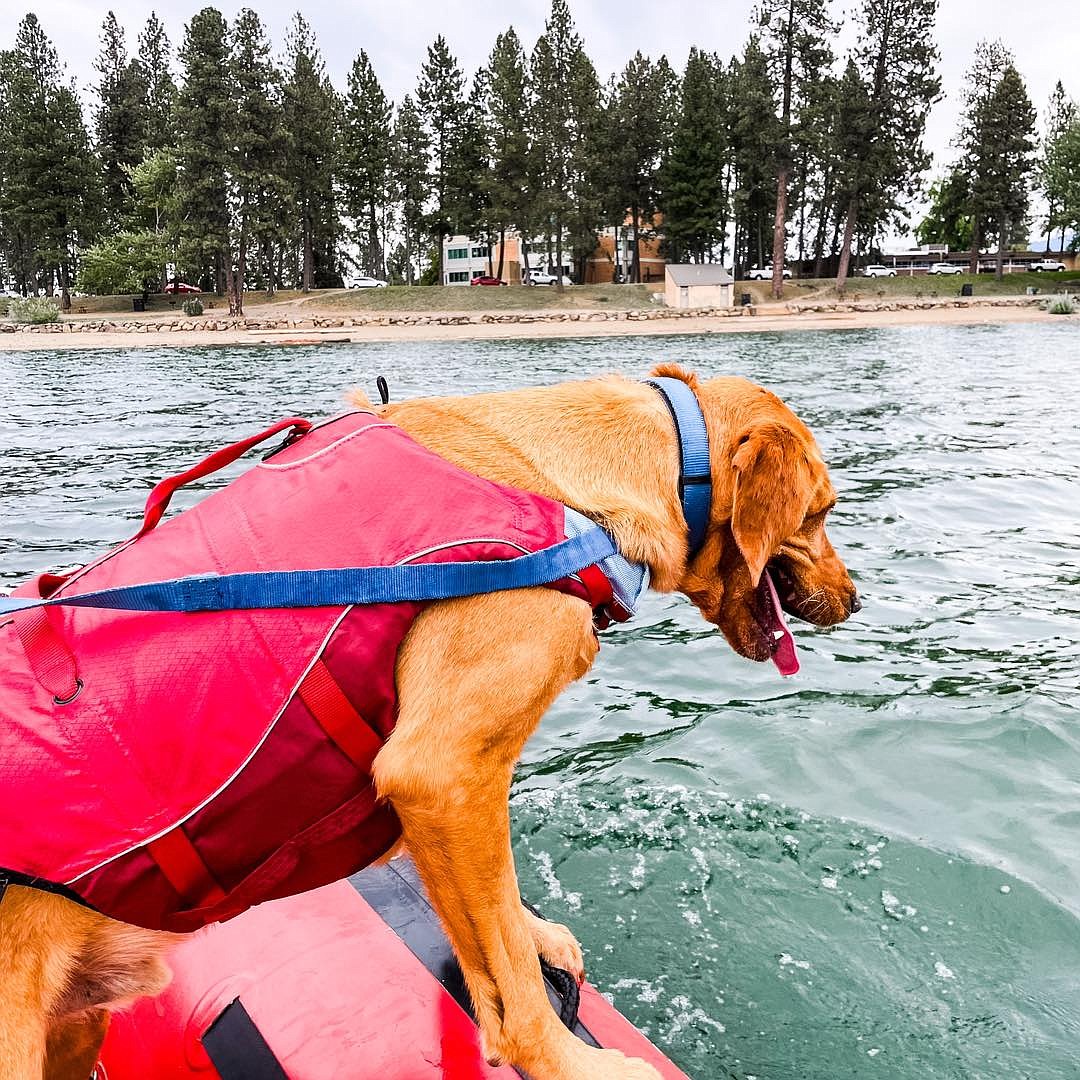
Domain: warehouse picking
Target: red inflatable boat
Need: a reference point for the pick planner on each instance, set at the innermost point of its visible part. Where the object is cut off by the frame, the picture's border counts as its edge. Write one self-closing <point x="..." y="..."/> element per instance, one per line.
<point x="351" y="981"/>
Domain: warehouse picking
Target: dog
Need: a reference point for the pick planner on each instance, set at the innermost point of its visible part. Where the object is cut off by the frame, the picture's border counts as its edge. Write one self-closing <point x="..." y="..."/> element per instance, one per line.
<point x="474" y="677"/>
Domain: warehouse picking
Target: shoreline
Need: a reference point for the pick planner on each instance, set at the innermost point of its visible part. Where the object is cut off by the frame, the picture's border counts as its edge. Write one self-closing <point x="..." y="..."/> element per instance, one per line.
<point x="328" y="328"/>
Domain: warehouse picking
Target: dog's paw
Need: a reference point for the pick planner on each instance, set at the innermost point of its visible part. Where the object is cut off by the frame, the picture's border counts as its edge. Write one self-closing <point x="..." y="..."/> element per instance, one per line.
<point x="587" y="1063"/>
<point x="613" y="1065"/>
<point x="556" y="945"/>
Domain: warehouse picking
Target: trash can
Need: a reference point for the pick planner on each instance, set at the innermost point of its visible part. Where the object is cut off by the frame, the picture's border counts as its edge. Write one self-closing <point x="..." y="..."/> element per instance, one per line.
<point x="967" y="290"/>
<point x="138" y="303"/>
<point x="745" y="299"/>
<point x="1032" y="290"/>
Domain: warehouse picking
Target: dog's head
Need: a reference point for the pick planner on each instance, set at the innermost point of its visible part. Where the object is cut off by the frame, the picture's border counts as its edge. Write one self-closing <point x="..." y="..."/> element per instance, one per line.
<point x="771" y="496"/>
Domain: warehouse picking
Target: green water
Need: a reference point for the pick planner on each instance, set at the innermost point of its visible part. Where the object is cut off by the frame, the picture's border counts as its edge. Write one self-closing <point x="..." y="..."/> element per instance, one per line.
<point x="869" y="871"/>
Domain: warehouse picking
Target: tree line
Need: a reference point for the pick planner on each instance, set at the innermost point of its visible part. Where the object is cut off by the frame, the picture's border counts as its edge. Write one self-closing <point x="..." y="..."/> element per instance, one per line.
<point x="243" y="169"/>
<point x="984" y="195"/>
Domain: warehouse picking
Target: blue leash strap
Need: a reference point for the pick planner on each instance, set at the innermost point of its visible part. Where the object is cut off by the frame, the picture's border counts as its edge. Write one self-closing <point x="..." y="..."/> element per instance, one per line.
<point x="695" y="476"/>
<point x="341" y="587"/>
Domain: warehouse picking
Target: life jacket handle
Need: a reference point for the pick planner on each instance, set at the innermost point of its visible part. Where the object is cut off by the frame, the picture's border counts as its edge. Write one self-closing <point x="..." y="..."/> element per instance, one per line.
<point x="163" y="491"/>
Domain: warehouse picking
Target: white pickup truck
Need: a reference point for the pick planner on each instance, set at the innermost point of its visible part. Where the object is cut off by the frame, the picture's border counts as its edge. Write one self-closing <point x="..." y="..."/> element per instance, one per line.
<point x="1049" y="266"/>
<point x="763" y="273"/>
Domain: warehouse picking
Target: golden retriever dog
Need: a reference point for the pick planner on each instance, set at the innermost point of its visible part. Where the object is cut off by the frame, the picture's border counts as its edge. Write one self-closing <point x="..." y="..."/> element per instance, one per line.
<point x="475" y="676"/>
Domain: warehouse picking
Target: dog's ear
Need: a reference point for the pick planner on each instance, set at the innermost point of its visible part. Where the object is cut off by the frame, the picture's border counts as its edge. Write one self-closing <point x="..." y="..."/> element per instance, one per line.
<point x="676" y="371"/>
<point x="772" y="491"/>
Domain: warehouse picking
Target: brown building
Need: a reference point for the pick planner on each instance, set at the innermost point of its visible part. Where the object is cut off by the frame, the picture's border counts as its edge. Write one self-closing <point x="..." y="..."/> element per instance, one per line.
<point x="613" y="258"/>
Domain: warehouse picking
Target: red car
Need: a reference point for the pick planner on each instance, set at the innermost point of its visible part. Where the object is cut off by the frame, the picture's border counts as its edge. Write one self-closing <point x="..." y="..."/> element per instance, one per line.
<point x="487" y="281"/>
<point x="181" y="287"/>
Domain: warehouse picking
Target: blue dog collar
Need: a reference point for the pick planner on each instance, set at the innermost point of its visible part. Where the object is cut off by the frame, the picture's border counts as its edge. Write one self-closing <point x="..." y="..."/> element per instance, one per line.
<point x="695" y="476"/>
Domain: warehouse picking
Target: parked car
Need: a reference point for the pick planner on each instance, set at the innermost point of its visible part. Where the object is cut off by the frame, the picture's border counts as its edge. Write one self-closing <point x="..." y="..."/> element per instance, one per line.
<point x="363" y="282"/>
<point x="181" y="287"/>
<point x="946" y="268"/>
<point x="486" y="279"/>
<point x="539" y="277"/>
<point x="876" y="270"/>
<point x="764" y="273"/>
<point x="1049" y="265"/>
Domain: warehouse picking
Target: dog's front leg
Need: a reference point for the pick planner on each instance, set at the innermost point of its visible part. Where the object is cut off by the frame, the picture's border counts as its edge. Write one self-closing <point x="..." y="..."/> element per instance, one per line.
<point x="474" y="677"/>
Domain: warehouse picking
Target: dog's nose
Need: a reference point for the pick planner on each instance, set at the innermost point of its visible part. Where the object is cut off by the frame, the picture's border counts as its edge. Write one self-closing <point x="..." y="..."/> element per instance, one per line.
<point x="854" y="603"/>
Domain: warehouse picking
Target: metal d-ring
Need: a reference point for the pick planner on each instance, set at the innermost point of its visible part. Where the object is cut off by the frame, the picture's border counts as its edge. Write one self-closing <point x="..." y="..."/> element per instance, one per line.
<point x="69" y="700"/>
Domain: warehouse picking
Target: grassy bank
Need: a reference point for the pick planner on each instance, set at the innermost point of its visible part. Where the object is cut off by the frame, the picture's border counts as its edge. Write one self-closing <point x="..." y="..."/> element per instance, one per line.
<point x="577" y="297"/>
<point x="483" y="298"/>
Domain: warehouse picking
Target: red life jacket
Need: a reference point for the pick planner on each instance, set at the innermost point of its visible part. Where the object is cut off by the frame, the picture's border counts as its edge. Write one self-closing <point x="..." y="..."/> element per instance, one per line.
<point x="208" y="762"/>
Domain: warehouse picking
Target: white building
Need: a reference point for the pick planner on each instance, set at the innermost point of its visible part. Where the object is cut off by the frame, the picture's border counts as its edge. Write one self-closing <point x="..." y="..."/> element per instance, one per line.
<point x="463" y="260"/>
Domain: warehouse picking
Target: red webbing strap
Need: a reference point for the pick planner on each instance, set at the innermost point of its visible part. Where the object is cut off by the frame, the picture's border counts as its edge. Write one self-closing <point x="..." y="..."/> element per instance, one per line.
<point x="51" y="661"/>
<point x="164" y="490"/>
<point x="333" y="711"/>
<point x="184" y="868"/>
<point x="596" y="585"/>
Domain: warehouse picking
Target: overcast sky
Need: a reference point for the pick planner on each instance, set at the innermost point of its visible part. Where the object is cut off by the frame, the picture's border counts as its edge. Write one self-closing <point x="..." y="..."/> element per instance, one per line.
<point x="396" y="33"/>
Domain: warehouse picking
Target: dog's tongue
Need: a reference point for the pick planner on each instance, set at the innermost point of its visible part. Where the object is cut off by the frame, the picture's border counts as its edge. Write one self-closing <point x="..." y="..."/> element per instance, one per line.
<point x="785" y="656"/>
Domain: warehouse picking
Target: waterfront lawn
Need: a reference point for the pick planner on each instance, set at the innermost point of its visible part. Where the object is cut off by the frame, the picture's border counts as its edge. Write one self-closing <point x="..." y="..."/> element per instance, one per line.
<point x="574" y="297"/>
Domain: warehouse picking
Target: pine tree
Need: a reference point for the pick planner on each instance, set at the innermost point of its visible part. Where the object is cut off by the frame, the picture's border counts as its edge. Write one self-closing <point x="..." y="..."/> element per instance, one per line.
<point x="990" y="59"/>
<point x="120" y="122"/>
<point x="204" y="129"/>
<point x="508" y="181"/>
<point x="49" y="197"/>
<point x="563" y="109"/>
<point x="365" y="161"/>
<point x="255" y="148"/>
<point x="855" y="172"/>
<point x="816" y="175"/>
<point x="1067" y="157"/>
<point x="754" y="139"/>
<point x="588" y="166"/>
<point x="409" y="172"/>
<point x="795" y="35"/>
<point x="1000" y="159"/>
<point x="468" y="172"/>
<point x="639" y="115"/>
<point x="895" y="56"/>
<point x="312" y="120"/>
<point x="160" y="89"/>
<point x="439" y="96"/>
<point x="693" y="191"/>
<point x="1056" y="171"/>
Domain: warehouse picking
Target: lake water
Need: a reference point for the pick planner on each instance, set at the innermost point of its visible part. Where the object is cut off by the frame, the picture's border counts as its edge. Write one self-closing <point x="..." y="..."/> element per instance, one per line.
<point x="872" y="870"/>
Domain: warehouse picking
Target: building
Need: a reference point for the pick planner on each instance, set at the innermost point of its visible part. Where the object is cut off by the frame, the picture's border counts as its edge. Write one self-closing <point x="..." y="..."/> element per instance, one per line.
<point x="917" y="261"/>
<point x="698" y="285"/>
<point x="465" y="258"/>
<point x="613" y="259"/>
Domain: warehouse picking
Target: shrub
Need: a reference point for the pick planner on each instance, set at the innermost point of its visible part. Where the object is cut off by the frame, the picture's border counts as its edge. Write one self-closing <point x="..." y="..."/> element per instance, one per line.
<point x="1061" y="305"/>
<point x="33" y="309"/>
<point x="193" y="306"/>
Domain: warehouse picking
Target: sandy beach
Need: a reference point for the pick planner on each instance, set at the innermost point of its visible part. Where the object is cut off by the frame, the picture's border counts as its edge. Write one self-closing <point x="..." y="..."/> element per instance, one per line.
<point x="765" y="320"/>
